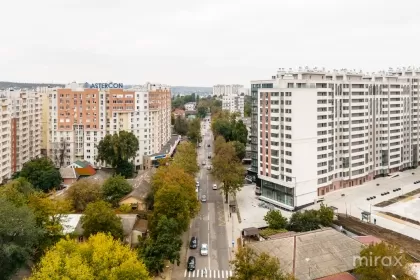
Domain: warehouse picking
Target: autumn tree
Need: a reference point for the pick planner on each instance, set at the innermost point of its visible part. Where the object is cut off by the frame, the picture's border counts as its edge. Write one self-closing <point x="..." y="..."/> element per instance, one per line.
<point x="17" y="191"/>
<point x="382" y="261"/>
<point x="115" y="188"/>
<point x="248" y="265"/>
<point x="169" y="184"/>
<point x="186" y="158"/>
<point x="240" y="149"/>
<point x="41" y="173"/>
<point x="117" y="149"/>
<point x="19" y="235"/>
<point x="101" y="257"/>
<point x="218" y="144"/>
<point x="275" y="219"/>
<point x="100" y="217"/>
<point x="84" y="192"/>
<point x="194" y="131"/>
<point x="228" y="169"/>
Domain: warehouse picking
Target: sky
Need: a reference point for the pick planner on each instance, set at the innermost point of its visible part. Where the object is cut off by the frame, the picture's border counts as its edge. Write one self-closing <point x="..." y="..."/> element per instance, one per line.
<point x="201" y="42"/>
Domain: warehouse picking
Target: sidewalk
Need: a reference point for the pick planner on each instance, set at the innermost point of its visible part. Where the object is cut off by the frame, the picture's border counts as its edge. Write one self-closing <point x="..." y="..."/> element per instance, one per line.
<point x="177" y="272"/>
<point x="233" y="231"/>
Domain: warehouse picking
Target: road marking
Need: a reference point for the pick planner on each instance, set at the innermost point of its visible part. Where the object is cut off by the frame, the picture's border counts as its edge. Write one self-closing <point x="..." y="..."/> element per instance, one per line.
<point x="185" y="274"/>
<point x="218" y="274"/>
<point x="206" y="273"/>
<point x="223" y="274"/>
<point x="231" y="273"/>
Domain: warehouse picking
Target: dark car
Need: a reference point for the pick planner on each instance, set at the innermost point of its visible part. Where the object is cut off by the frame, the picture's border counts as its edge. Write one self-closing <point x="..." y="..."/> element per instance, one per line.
<point x="193" y="243"/>
<point x="208" y="145"/>
<point x="191" y="263"/>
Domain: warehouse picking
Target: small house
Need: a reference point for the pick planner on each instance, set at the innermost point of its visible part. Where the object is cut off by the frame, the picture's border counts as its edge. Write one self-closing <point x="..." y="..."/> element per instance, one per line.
<point x="137" y="198"/>
<point x="69" y="175"/>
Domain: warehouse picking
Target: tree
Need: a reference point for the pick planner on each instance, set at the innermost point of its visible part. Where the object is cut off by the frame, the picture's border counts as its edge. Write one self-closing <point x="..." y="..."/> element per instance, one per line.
<point x="186" y="158"/>
<point x="326" y="215"/>
<point x="113" y="149"/>
<point x="382" y="261"/>
<point x="115" y="188"/>
<point x="101" y="257"/>
<point x="250" y="266"/>
<point x="49" y="214"/>
<point x="18" y="236"/>
<point x="218" y="144"/>
<point x="228" y="170"/>
<point x="42" y="174"/>
<point x="84" y="192"/>
<point x="275" y="219"/>
<point x="247" y="106"/>
<point x="99" y="217"/>
<point x="201" y="112"/>
<point x="194" y="131"/>
<point x="239" y="131"/>
<point x="304" y="221"/>
<point x="169" y="184"/>
<point x="17" y="191"/>
<point x="124" y="168"/>
<point x="164" y="244"/>
<point x="181" y="126"/>
<point x="239" y="149"/>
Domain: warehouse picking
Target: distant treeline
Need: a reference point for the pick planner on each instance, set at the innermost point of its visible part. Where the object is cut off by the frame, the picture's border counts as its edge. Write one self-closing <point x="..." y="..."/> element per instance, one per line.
<point x="5" y="85"/>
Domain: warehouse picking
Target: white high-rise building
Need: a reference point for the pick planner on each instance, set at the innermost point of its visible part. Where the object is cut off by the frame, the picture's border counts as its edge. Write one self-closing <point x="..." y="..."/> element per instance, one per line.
<point x="226" y="90"/>
<point x="316" y="131"/>
<point x="234" y="104"/>
<point x="80" y="116"/>
<point x="21" y="130"/>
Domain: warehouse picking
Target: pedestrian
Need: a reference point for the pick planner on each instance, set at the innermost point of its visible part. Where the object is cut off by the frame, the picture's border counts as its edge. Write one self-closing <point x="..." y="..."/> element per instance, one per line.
<point x="230" y="214"/>
<point x="374" y="221"/>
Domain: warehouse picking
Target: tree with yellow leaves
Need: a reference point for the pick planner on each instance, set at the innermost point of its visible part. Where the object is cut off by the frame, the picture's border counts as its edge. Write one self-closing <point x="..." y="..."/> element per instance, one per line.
<point x="101" y="257"/>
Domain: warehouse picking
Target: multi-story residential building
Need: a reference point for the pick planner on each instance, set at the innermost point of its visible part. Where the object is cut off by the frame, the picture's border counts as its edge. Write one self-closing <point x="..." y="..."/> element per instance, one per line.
<point x="80" y="116"/>
<point x="234" y="104"/>
<point x="222" y="90"/>
<point x="316" y="131"/>
<point x="190" y="106"/>
<point x="20" y="130"/>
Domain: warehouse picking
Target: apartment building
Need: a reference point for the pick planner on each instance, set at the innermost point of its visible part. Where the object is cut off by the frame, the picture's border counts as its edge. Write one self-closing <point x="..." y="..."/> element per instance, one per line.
<point x="81" y="115"/>
<point x="234" y="104"/>
<point x="316" y="131"/>
<point x="190" y="106"/>
<point x="20" y="130"/>
<point x="222" y="90"/>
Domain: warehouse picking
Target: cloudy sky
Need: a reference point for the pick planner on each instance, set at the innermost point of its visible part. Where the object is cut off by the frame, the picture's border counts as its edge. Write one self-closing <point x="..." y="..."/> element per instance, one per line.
<point x="200" y="42"/>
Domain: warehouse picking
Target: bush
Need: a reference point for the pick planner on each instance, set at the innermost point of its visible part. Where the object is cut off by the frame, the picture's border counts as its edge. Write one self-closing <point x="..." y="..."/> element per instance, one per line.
<point x="265" y="233"/>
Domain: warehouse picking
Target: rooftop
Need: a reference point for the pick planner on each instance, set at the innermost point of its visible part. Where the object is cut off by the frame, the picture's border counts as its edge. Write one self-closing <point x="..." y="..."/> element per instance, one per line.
<point x="139" y="192"/>
<point x="167" y="147"/>
<point x="325" y="252"/>
<point x="68" y="173"/>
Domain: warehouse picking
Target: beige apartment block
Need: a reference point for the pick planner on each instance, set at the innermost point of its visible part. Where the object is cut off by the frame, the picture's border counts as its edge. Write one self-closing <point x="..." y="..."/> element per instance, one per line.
<point x="79" y="117"/>
<point x="21" y="129"/>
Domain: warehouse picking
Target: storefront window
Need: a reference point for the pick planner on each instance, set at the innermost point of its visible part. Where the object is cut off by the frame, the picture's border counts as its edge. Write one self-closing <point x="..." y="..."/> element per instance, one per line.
<point x="277" y="192"/>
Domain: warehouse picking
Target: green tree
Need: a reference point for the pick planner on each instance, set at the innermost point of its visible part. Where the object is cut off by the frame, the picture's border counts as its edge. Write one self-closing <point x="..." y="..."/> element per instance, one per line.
<point x="201" y="112"/>
<point x="239" y="149"/>
<point x="304" y="221"/>
<point x="239" y="132"/>
<point x="275" y="219"/>
<point x="186" y="158"/>
<point x="194" y="130"/>
<point x="100" y="217"/>
<point x="84" y="192"/>
<point x="247" y="106"/>
<point x="181" y="126"/>
<point x="382" y="261"/>
<point x="42" y="174"/>
<point x="124" y="168"/>
<point x="19" y="235"/>
<point x="326" y="215"/>
<point x="114" y="149"/>
<point x="17" y="191"/>
<point x="248" y="265"/>
<point x="172" y="119"/>
<point x="115" y="188"/>
<point x="228" y="169"/>
<point x="101" y="257"/>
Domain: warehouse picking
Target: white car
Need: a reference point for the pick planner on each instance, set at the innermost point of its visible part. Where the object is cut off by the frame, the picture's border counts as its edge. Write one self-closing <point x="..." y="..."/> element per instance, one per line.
<point x="204" y="250"/>
<point x="208" y="167"/>
<point x="203" y="198"/>
<point x="214" y="187"/>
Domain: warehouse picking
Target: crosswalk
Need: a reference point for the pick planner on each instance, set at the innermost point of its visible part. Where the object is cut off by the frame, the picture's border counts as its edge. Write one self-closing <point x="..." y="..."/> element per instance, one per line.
<point x="205" y="273"/>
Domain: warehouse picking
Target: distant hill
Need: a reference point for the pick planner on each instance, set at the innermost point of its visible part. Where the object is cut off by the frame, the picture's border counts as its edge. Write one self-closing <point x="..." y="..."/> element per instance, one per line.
<point x="5" y="85"/>
<point x="188" y="90"/>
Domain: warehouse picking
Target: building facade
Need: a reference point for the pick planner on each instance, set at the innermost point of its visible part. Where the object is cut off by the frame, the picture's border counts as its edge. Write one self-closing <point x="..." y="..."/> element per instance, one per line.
<point x="21" y="130"/>
<point x="315" y="131"/>
<point x="234" y="104"/>
<point x="190" y="106"/>
<point x="81" y="116"/>
<point x="222" y="90"/>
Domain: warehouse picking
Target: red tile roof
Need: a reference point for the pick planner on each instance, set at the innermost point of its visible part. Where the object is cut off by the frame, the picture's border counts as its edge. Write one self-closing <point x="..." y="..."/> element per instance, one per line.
<point x="339" y="276"/>
<point x="87" y="171"/>
<point x="368" y="239"/>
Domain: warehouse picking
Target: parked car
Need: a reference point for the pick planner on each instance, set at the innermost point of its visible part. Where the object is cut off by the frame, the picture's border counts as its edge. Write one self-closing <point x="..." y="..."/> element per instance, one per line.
<point x="203" y="163"/>
<point x="209" y="156"/>
<point x="203" y="198"/>
<point x="191" y="263"/>
<point x="208" y="145"/>
<point x="204" y="251"/>
<point x="193" y="242"/>
<point x="208" y="167"/>
<point x="214" y="187"/>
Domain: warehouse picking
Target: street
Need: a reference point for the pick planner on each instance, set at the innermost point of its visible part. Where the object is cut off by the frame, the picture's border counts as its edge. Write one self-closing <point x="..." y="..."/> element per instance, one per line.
<point x="210" y="225"/>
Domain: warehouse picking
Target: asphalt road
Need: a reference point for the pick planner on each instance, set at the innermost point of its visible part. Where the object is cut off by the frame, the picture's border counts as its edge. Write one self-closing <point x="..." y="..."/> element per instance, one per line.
<point x="209" y="226"/>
